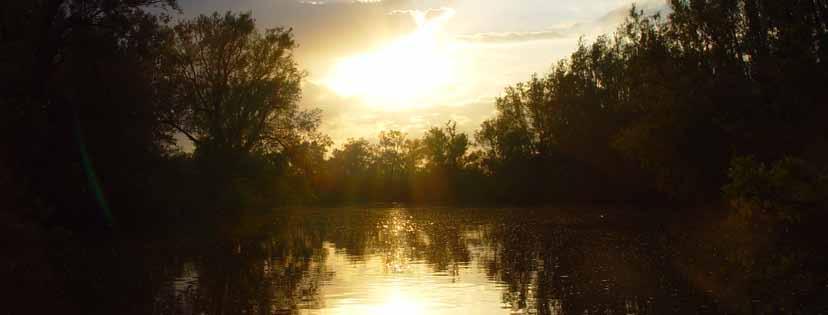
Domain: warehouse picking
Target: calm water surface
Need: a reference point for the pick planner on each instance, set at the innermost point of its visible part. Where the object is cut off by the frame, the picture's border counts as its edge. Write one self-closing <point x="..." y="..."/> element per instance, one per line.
<point x="432" y="261"/>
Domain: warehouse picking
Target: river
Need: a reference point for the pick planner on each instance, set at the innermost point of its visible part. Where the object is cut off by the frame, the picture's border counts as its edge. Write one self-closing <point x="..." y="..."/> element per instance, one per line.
<point x="439" y="261"/>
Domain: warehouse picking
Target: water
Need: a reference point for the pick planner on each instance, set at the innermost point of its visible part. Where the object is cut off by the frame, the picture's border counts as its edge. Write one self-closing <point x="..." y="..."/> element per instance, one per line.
<point x="445" y="261"/>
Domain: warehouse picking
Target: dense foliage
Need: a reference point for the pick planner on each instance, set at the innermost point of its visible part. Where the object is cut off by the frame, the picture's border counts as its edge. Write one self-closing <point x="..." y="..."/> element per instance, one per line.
<point x="437" y="168"/>
<point x="668" y="108"/>
<point x="81" y="133"/>
<point x="656" y="111"/>
<point x="667" y="103"/>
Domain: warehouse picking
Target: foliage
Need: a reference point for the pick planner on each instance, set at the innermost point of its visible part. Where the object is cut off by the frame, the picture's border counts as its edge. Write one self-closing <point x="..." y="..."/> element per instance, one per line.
<point x="233" y="92"/>
<point x="664" y="103"/>
<point x="784" y="190"/>
<point x="655" y="111"/>
<point x="231" y="88"/>
<point x="80" y="131"/>
<point x="435" y="168"/>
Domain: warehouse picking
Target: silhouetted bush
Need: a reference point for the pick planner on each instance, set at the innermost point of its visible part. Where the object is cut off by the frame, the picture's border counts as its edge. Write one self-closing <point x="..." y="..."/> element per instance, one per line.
<point x="784" y="191"/>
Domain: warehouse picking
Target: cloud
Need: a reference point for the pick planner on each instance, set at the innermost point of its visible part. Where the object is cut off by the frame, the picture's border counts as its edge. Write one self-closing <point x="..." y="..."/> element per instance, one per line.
<point x="612" y="19"/>
<point x="325" y="29"/>
<point x="421" y="17"/>
<point x="324" y="2"/>
<point x="345" y="118"/>
<point x="604" y="24"/>
<point x="428" y="13"/>
<point x="507" y="37"/>
<point x="329" y="30"/>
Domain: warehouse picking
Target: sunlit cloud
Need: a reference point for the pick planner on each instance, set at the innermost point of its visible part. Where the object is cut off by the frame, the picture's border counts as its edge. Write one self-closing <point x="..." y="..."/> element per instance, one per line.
<point x="410" y="65"/>
<point x="323" y="2"/>
<point x="505" y="37"/>
<point x="404" y="72"/>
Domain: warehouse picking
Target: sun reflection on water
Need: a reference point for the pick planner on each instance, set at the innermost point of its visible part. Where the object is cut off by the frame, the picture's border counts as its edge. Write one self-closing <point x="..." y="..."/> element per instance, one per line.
<point x="400" y="304"/>
<point x="395" y="276"/>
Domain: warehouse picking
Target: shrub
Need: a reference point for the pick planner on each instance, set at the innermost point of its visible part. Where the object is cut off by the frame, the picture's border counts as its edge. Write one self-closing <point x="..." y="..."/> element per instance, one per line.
<point x="784" y="191"/>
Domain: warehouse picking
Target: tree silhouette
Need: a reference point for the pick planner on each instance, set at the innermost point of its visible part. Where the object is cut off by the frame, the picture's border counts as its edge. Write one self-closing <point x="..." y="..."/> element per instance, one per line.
<point x="232" y="89"/>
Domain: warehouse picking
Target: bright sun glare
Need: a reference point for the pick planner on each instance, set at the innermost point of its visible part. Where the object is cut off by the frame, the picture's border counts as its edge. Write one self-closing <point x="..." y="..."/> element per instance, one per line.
<point x="399" y="305"/>
<point x="404" y="72"/>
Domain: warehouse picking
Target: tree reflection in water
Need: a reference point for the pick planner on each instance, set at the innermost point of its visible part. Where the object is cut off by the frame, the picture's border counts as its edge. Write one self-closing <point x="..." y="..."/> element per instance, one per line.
<point x="271" y="273"/>
<point x="436" y="261"/>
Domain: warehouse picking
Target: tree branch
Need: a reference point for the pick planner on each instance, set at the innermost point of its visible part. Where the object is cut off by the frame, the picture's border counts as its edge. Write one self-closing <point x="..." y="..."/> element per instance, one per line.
<point x="181" y="130"/>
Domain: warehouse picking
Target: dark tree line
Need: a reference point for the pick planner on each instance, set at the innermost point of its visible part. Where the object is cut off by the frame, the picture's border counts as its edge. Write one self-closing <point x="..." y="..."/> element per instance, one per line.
<point x="97" y="95"/>
<point x="439" y="167"/>
<point x="665" y="104"/>
<point x="80" y="130"/>
<point x="667" y="108"/>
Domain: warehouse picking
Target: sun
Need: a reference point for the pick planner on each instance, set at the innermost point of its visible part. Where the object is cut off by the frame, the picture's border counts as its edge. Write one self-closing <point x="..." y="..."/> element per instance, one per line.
<point x="402" y="74"/>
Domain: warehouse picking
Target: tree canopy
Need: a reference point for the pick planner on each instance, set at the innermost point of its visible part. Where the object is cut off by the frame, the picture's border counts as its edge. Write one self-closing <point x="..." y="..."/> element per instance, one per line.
<point x="231" y="88"/>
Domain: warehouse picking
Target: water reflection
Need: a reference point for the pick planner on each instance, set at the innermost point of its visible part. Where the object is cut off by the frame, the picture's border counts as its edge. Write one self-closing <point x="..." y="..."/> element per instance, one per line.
<point x="408" y="267"/>
<point x="432" y="261"/>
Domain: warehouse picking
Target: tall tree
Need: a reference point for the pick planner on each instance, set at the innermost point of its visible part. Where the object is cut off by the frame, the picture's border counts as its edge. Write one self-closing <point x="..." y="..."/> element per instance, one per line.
<point x="231" y="89"/>
<point x="75" y="77"/>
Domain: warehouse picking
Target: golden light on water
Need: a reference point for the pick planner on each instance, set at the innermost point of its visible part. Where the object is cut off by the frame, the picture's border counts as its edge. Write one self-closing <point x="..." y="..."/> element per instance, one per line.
<point x="393" y="276"/>
<point x="395" y="302"/>
<point x="398" y="297"/>
<point x="402" y="73"/>
<point x="400" y="304"/>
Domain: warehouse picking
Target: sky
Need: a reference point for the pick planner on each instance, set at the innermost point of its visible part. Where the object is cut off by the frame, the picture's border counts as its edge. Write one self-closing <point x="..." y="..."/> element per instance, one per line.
<point x="409" y="65"/>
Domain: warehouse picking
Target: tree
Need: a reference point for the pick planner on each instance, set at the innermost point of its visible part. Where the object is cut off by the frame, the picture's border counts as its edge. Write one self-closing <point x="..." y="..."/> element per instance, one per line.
<point x="445" y="148"/>
<point x="444" y="157"/>
<point x="77" y="108"/>
<point x="231" y="89"/>
<point x="665" y="103"/>
<point x="350" y="172"/>
<point x="396" y="164"/>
